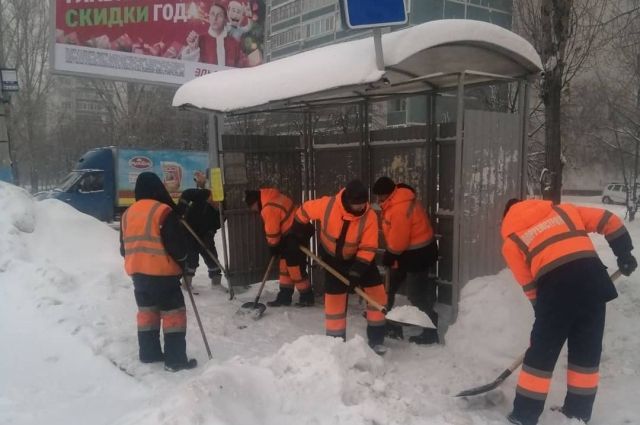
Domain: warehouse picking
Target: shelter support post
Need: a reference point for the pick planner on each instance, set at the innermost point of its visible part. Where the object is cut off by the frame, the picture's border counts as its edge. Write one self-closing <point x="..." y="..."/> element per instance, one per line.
<point x="215" y="129"/>
<point x="458" y="200"/>
<point x="524" y="92"/>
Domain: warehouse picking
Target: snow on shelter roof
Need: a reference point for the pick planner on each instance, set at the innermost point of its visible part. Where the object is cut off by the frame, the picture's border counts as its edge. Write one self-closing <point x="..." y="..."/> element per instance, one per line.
<point x="417" y="59"/>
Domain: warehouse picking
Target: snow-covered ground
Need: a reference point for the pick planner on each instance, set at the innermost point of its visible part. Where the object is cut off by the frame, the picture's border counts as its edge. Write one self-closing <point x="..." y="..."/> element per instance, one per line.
<point x="68" y="347"/>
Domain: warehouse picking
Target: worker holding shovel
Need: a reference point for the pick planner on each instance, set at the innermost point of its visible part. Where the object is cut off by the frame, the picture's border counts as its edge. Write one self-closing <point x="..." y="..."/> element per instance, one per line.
<point x="202" y="214"/>
<point x="155" y="250"/>
<point x="348" y="240"/>
<point x="548" y="249"/>
<point x="410" y="251"/>
<point x="277" y="212"/>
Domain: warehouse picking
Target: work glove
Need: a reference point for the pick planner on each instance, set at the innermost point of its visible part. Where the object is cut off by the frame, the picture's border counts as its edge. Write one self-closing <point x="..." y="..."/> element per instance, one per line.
<point x="356" y="273"/>
<point x="627" y="263"/>
<point x="275" y="250"/>
<point x="389" y="259"/>
<point x="302" y="232"/>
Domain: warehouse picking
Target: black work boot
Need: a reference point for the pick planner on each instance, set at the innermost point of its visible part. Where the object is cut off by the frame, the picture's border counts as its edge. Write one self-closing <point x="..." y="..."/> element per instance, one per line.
<point x="215" y="275"/>
<point x="428" y="336"/>
<point x="571" y="415"/>
<point x="282" y="299"/>
<point x="307" y="299"/>
<point x="189" y="364"/>
<point x="394" y="331"/>
<point x="512" y="418"/>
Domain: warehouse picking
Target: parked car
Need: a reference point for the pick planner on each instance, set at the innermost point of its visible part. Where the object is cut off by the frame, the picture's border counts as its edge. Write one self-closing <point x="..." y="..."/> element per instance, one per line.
<point x="616" y="193"/>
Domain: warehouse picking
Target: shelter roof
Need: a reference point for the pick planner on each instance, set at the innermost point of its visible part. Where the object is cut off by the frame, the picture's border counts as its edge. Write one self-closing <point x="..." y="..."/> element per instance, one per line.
<point x="418" y="59"/>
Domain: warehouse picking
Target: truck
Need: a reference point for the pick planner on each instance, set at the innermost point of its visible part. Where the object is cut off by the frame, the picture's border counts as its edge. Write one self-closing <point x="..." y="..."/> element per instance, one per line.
<point x="102" y="182"/>
<point x="6" y="166"/>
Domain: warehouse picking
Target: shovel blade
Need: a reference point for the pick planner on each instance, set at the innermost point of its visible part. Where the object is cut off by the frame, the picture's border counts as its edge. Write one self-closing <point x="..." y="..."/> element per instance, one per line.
<point x="252" y="309"/>
<point x="479" y="390"/>
<point x="409" y="316"/>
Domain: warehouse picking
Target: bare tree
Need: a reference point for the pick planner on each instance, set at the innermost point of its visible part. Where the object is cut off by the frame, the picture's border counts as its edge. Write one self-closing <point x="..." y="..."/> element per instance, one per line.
<point x="618" y="85"/>
<point x="25" y="45"/>
<point x="565" y="33"/>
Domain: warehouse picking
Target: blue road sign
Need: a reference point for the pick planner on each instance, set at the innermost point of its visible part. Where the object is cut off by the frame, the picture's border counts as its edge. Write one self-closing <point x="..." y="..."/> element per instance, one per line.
<point x="373" y="13"/>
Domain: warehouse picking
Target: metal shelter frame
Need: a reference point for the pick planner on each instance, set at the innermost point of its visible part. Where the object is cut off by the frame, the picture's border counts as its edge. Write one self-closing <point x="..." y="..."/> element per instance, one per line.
<point x="459" y="64"/>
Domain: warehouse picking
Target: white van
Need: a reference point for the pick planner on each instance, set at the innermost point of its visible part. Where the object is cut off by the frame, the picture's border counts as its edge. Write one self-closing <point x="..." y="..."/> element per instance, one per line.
<point x="616" y="193"/>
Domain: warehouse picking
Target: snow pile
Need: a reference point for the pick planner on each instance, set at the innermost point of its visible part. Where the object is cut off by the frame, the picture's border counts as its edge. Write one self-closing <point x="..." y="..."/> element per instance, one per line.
<point x="70" y="350"/>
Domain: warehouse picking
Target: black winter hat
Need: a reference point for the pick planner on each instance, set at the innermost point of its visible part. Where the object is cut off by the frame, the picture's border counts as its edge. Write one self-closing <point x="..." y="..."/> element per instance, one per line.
<point x="511" y="202"/>
<point x="149" y="186"/>
<point x="384" y="186"/>
<point x="355" y="193"/>
<point x="251" y="197"/>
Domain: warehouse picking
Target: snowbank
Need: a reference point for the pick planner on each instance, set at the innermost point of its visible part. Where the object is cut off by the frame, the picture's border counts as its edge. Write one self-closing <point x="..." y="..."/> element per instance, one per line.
<point x="69" y="348"/>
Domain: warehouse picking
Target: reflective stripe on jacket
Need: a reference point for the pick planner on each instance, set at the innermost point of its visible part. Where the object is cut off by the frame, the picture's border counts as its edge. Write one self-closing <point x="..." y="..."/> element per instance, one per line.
<point x="405" y="223"/>
<point x="144" y="252"/>
<point x="277" y="214"/>
<point x="361" y="237"/>
<point x="539" y="236"/>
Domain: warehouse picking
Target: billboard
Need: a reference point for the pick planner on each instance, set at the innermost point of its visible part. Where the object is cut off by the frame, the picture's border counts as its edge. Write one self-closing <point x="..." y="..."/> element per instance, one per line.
<point x="175" y="169"/>
<point x="156" y="41"/>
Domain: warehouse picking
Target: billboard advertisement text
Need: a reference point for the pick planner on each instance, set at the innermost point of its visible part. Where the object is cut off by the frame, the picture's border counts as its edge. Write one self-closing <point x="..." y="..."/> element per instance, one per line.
<point x="157" y="41"/>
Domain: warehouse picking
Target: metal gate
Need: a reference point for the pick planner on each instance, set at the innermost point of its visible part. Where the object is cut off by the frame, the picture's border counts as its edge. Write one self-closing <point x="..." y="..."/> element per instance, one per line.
<point x="253" y="162"/>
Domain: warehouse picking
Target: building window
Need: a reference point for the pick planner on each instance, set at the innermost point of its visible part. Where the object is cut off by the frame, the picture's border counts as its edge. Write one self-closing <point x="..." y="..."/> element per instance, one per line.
<point x="286" y="37"/>
<point x="454" y="10"/>
<point x="397" y="105"/>
<point x="320" y="27"/>
<point x="287" y="11"/>
<point x="310" y="5"/>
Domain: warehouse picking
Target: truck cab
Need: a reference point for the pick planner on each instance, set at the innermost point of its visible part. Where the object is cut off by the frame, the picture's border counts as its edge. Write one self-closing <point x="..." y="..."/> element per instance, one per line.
<point x="90" y="187"/>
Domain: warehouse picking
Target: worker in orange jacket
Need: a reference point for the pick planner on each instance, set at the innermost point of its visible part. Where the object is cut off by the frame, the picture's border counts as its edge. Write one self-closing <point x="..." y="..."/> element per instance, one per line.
<point x="155" y="250"/>
<point x="348" y="237"/>
<point x="411" y="250"/>
<point x="548" y="249"/>
<point x="277" y="211"/>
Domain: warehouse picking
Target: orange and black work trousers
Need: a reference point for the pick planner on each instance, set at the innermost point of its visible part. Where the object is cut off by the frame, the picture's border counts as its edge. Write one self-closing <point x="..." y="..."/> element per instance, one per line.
<point x="160" y="304"/>
<point x="293" y="267"/>
<point x="336" y="301"/>
<point x="571" y="306"/>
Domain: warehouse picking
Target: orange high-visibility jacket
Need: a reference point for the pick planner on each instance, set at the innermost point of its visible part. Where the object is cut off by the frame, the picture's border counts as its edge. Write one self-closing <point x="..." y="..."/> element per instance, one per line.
<point x="539" y="236"/>
<point x="144" y="252"/>
<point x="361" y="239"/>
<point x="405" y="223"/>
<point x="277" y="214"/>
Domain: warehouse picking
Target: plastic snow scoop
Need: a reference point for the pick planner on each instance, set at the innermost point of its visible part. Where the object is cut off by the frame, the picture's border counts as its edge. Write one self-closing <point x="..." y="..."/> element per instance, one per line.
<point x="254" y="307"/>
<point x="508" y="371"/>
<point x="210" y="254"/>
<point x="187" y="284"/>
<point x="403" y="319"/>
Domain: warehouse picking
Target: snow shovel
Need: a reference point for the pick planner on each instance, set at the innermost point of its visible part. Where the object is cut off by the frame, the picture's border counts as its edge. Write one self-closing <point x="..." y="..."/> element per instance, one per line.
<point x="213" y="257"/>
<point x="254" y="307"/>
<point x="187" y="284"/>
<point x="361" y="293"/>
<point x="508" y="371"/>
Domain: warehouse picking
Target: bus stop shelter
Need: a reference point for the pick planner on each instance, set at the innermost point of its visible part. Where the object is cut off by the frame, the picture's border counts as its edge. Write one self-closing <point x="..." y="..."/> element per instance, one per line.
<point x="465" y="167"/>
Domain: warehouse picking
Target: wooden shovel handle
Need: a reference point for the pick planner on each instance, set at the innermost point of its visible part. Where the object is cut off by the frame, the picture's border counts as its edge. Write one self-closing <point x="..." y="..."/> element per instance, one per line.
<point x="264" y="279"/>
<point x="343" y="279"/>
